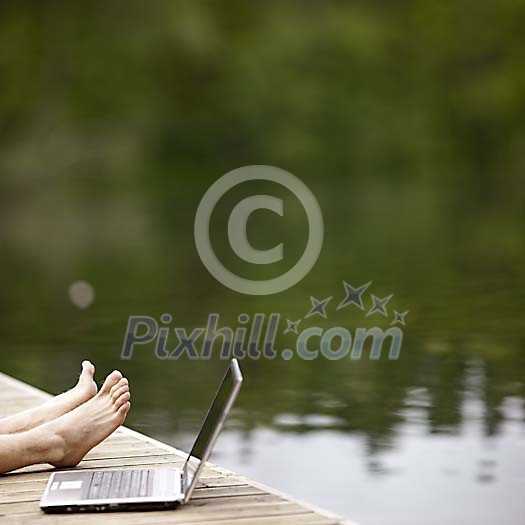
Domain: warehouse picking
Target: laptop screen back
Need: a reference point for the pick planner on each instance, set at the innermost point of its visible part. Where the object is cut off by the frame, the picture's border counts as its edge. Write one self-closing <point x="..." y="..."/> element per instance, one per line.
<point x="221" y="405"/>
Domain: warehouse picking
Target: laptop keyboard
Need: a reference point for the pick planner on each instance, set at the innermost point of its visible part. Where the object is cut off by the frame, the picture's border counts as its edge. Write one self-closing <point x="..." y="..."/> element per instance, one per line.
<point x="109" y="484"/>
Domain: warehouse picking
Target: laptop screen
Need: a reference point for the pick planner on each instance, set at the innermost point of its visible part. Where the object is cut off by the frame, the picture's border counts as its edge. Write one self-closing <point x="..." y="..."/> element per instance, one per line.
<point x="221" y="405"/>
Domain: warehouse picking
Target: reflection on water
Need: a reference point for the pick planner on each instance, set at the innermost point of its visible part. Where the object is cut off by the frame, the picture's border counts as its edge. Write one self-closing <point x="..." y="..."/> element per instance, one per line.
<point x="459" y="475"/>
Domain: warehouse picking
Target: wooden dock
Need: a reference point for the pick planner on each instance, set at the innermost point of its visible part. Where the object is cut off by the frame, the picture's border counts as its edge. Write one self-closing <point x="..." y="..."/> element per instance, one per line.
<point x="222" y="497"/>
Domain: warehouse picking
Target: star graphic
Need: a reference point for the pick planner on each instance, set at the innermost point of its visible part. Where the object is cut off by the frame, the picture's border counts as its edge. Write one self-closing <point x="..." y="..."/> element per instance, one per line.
<point x="318" y="307"/>
<point x="353" y="295"/>
<point x="399" y="318"/>
<point x="379" y="305"/>
<point x="292" y="327"/>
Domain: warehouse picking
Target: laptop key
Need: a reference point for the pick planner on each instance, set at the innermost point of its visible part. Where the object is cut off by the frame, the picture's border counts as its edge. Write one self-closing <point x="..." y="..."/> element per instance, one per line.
<point x="135" y="481"/>
<point x="106" y="482"/>
<point x="144" y="483"/>
<point x="94" y="488"/>
<point x="115" y="484"/>
<point x="124" y="484"/>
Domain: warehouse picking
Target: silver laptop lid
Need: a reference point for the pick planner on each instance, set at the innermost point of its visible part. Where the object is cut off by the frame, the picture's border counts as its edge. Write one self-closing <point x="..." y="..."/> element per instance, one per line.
<point x="219" y="409"/>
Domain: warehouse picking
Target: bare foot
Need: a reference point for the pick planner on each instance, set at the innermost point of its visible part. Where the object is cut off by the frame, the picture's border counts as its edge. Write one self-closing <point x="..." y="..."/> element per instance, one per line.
<point x="90" y="423"/>
<point x="85" y="389"/>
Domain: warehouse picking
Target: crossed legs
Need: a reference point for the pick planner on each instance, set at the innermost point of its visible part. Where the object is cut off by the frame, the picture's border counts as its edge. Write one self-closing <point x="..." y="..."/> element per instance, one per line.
<point x="62" y="431"/>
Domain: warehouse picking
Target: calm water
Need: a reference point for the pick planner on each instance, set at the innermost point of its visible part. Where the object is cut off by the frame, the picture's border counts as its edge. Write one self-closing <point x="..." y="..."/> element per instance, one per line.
<point x="437" y="436"/>
<point x="405" y="121"/>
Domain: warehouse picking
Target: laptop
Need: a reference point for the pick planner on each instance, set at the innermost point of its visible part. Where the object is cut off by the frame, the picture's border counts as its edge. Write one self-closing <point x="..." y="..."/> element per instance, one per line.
<point x="147" y="488"/>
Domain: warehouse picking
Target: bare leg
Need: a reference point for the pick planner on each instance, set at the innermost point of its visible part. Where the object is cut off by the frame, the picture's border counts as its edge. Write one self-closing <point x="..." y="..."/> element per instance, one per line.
<point x="63" y="442"/>
<point x="85" y="389"/>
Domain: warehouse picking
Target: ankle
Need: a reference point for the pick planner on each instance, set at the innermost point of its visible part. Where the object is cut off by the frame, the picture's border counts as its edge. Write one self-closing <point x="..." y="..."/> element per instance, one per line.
<point x="48" y="446"/>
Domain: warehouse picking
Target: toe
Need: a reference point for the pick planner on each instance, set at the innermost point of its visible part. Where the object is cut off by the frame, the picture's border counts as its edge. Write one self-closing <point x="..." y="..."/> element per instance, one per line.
<point x="111" y="380"/>
<point x="117" y="386"/>
<point x="119" y="391"/>
<point x="124" y="398"/>
<point x="124" y="409"/>
<point x="87" y="370"/>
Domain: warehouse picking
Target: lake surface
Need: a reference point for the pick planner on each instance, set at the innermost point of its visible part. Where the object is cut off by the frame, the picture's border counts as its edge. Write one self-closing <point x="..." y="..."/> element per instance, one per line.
<point x="436" y="436"/>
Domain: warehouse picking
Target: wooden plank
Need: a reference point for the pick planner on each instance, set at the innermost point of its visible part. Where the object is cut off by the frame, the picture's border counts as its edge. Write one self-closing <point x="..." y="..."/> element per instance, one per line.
<point x="221" y="497"/>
